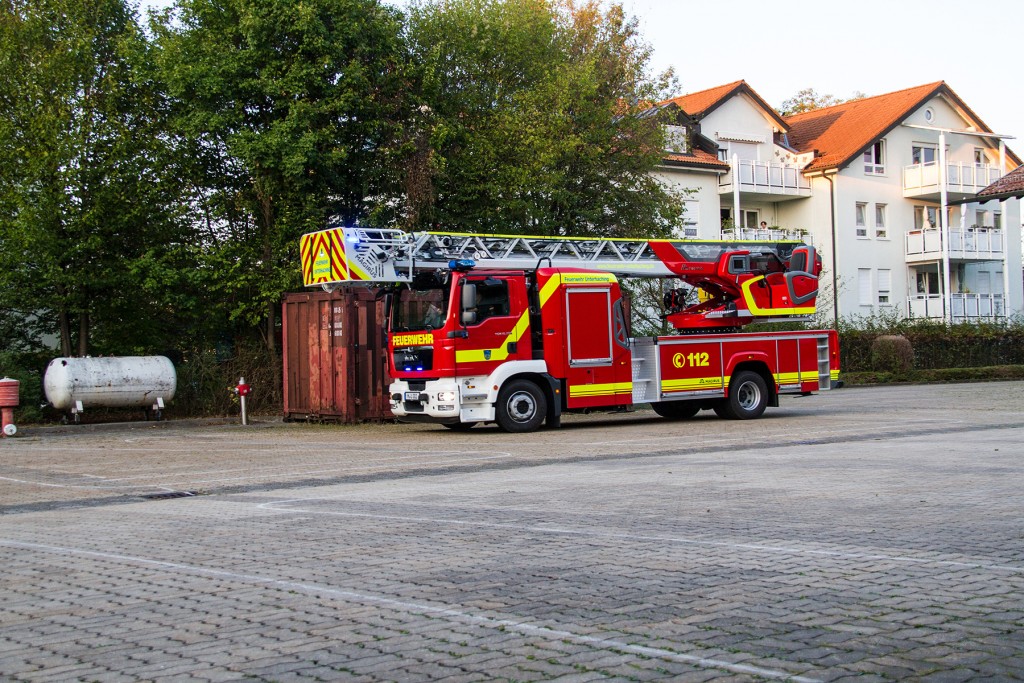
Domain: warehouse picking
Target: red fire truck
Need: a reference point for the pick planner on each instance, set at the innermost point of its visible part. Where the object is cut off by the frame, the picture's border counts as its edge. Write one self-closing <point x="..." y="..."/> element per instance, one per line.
<point x="517" y="330"/>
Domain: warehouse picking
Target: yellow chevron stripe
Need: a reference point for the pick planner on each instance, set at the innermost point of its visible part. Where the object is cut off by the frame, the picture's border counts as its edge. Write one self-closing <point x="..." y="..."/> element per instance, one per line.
<point x="345" y="268"/>
<point x="500" y="352"/>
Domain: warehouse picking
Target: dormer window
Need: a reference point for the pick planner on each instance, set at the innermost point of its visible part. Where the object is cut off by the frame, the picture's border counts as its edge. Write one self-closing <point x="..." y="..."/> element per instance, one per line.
<point x="874" y="159"/>
<point x="675" y="139"/>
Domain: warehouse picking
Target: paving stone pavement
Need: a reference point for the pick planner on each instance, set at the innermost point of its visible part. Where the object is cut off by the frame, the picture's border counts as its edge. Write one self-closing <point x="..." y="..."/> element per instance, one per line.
<point x="864" y="534"/>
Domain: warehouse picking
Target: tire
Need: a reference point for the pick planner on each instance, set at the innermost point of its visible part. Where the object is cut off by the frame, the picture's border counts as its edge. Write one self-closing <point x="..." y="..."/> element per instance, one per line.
<point x="460" y="426"/>
<point x="748" y="397"/>
<point x="521" y="407"/>
<point x="677" y="410"/>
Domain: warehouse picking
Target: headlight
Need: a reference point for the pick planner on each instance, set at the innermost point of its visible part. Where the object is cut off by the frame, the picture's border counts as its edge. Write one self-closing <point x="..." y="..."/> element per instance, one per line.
<point x="446" y="396"/>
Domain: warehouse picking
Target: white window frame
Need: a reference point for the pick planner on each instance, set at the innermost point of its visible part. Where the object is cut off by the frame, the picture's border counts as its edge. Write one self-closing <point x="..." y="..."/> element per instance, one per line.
<point x="860" y="219"/>
<point x="923" y="215"/>
<point x="884" y="287"/>
<point x="676" y="140"/>
<point x="874" y="158"/>
<point x="919" y="153"/>
<point x="690" y="226"/>
<point x="881" y="232"/>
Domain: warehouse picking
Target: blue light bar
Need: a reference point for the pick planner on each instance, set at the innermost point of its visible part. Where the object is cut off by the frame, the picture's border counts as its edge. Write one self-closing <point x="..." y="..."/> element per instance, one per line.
<point x="462" y="264"/>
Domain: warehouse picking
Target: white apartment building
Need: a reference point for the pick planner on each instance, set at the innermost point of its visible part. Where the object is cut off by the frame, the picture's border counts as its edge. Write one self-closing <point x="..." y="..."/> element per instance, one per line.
<point x="890" y="189"/>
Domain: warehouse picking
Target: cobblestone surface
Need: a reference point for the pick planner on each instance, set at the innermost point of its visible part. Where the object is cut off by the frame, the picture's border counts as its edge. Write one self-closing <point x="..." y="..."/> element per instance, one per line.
<point x="867" y="534"/>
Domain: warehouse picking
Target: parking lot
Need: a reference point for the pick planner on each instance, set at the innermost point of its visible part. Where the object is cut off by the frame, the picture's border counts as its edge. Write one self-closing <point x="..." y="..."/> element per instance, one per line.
<point x="868" y="534"/>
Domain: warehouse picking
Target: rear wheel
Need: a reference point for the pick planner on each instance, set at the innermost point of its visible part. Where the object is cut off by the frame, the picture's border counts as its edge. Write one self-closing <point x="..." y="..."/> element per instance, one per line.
<point x="748" y="397"/>
<point x="521" y="406"/>
<point x="676" y="410"/>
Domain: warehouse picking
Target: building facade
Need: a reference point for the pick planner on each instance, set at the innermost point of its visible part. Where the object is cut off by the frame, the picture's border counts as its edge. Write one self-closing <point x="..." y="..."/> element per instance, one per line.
<point x="890" y="189"/>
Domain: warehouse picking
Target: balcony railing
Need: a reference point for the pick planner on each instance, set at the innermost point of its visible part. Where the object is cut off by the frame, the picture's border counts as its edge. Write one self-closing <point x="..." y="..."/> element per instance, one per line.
<point x="980" y="244"/>
<point x="961" y="178"/>
<point x="766" y="177"/>
<point x="964" y="307"/>
<point x="768" y="235"/>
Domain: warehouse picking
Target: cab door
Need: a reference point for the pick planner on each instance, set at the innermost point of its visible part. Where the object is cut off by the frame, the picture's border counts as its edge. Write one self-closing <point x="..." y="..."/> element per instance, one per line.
<point x="495" y="324"/>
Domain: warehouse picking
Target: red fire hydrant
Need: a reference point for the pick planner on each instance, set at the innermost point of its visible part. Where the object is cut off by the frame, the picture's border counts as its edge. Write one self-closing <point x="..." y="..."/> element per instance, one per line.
<point x="243" y="390"/>
<point x="8" y="402"/>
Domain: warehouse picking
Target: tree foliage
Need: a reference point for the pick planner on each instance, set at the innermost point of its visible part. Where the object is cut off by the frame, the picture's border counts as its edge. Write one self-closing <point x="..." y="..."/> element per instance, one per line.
<point x="155" y="182"/>
<point x="531" y="120"/>
<point x="81" y="205"/>
<point x="808" y="99"/>
<point x="290" y="111"/>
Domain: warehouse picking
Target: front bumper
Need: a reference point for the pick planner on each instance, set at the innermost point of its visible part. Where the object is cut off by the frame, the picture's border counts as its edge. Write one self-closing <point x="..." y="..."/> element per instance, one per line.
<point x="442" y="401"/>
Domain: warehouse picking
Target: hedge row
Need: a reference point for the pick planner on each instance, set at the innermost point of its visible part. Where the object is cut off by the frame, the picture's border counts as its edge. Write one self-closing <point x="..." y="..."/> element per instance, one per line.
<point x="936" y="346"/>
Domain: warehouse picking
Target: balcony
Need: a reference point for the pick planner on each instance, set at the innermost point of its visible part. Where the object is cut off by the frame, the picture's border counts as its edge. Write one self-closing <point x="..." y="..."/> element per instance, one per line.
<point x="965" y="307"/>
<point x="963" y="180"/>
<point x="769" y="235"/>
<point x="766" y="181"/>
<point x="965" y="244"/>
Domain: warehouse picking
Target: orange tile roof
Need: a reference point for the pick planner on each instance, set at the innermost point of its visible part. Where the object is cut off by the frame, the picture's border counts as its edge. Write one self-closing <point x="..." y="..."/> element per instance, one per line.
<point x="697" y="157"/>
<point x="699" y="102"/>
<point x="1010" y="185"/>
<point x="840" y="133"/>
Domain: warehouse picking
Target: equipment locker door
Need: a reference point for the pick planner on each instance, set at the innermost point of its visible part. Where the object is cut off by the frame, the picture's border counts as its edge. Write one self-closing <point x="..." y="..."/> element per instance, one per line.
<point x="599" y="360"/>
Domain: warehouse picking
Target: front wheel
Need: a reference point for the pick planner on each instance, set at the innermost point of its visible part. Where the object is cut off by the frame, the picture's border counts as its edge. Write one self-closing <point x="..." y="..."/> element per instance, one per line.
<point x="521" y="406"/>
<point x="748" y="397"/>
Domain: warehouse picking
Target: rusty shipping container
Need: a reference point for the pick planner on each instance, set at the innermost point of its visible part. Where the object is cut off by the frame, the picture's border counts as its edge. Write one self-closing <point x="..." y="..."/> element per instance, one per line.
<point x="334" y="356"/>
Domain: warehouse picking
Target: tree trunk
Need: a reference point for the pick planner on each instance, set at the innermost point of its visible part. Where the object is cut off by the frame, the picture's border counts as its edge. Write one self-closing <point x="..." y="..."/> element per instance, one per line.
<point x="83" y="334"/>
<point x="269" y="226"/>
<point x="65" y="333"/>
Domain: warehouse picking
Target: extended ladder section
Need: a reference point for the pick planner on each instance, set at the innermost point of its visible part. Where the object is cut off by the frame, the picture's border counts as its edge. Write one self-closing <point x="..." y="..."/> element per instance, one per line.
<point x="369" y="256"/>
<point x="741" y="281"/>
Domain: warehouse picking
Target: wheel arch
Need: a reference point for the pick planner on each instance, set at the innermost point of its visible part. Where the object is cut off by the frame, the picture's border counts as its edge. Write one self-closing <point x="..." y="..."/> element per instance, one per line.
<point x="759" y="365"/>
<point x="552" y="389"/>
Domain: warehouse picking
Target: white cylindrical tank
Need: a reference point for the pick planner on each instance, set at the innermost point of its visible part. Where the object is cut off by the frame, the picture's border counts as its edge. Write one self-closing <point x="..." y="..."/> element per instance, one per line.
<point x="115" y="382"/>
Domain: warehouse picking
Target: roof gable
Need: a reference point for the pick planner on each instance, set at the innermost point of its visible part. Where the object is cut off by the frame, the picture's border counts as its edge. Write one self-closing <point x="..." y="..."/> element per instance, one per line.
<point x="702" y="103"/>
<point x="841" y="133"/>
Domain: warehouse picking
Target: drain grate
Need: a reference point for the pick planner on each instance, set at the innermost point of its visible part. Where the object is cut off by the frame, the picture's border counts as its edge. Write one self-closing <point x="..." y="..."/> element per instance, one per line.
<point x="169" y="494"/>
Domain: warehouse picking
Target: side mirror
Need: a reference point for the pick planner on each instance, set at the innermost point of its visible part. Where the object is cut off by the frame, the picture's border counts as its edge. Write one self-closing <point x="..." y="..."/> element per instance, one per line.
<point x="468" y="296"/>
<point x="469" y="317"/>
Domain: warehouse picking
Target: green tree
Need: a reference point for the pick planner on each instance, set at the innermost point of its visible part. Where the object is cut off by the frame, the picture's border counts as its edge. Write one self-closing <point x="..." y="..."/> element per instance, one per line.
<point x="808" y="99"/>
<point x="81" y="204"/>
<point x="289" y="111"/>
<point x="536" y="119"/>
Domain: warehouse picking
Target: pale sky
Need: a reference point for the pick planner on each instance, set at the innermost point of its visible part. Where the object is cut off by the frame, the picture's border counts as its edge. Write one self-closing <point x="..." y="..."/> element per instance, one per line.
<point x="839" y="48"/>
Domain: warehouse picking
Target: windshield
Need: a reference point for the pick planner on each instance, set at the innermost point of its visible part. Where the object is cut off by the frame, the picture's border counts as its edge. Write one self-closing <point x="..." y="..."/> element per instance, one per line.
<point x="419" y="309"/>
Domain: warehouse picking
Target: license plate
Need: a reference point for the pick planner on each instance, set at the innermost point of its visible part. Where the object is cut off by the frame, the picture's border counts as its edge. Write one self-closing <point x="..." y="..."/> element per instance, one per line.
<point x="412" y="396"/>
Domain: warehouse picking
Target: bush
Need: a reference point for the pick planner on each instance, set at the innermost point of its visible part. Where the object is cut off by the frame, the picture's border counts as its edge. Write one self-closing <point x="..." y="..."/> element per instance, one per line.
<point x="28" y="369"/>
<point x="935" y="344"/>
<point x="892" y="353"/>
<point x="206" y="380"/>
